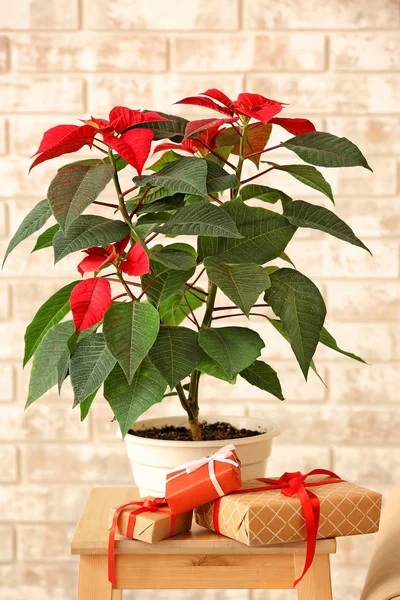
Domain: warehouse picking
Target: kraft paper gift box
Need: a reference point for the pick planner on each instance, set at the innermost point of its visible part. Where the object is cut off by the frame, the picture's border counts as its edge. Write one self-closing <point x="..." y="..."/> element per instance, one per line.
<point x="203" y="480"/>
<point x="148" y="525"/>
<point x="273" y="516"/>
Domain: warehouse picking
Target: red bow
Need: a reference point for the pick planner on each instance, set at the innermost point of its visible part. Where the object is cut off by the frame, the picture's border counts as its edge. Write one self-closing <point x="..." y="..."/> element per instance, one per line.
<point x="148" y="505"/>
<point x="294" y="484"/>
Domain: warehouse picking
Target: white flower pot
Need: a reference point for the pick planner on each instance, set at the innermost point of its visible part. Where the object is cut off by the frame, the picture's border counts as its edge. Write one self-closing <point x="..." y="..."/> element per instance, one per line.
<point x="151" y="459"/>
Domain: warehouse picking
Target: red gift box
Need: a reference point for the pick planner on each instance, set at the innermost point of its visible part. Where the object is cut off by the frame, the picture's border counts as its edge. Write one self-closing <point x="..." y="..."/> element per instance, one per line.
<point x="203" y="480"/>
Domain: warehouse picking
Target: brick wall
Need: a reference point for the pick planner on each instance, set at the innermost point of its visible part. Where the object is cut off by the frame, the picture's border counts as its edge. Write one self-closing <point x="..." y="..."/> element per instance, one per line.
<point x="336" y="62"/>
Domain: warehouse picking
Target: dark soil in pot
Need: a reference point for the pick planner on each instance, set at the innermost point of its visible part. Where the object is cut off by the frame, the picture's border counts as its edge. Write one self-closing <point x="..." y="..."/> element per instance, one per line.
<point x="209" y="432"/>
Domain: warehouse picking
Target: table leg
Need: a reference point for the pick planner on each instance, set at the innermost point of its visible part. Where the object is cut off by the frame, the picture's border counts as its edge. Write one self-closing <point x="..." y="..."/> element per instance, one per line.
<point x="93" y="581"/>
<point x="316" y="584"/>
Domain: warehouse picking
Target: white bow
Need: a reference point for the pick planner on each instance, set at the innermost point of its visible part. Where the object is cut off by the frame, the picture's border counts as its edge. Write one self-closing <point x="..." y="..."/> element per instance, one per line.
<point x="220" y="456"/>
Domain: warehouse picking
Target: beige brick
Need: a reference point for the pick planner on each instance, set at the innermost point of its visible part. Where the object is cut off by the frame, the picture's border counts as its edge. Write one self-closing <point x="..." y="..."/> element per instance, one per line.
<point x="329" y="92"/>
<point x="7" y="544"/>
<point x="38" y="582"/>
<point x="43" y="504"/>
<point x="372" y="341"/>
<point x="355" y="549"/>
<point x="324" y="425"/>
<point x="374" y="135"/>
<point x="43" y="542"/>
<point x="40" y="93"/>
<point x="4" y="54"/>
<point x="267" y="14"/>
<point x="14" y="333"/>
<point x="29" y="296"/>
<point x="50" y="463"/>
<point x="27" y="132"/>
<point x="4" y="303"/>
<point x="157" y="92"/>
<point x="372" y="51"/>
<point x="4" y="225"/>
<point x="364" y="301"/>
<point x="356" y="384"/>
<point x="347" y="581"/>
<point x="43" y="421"/>
<point x="295" y="458"/>
<point x="368" y="464"/>
<point x="9" y="464"/>
<point x="7" y="382"/>
<point x="366" y="219"/>
<point x="21" y="262"/>
<point x="82" y="51"/>
<point x="3" y="137"/>
<point x="334" y="259"/>
<point x="141" y="15"/>
<point x="36" y="14"/>
<point x="289" y="52"/>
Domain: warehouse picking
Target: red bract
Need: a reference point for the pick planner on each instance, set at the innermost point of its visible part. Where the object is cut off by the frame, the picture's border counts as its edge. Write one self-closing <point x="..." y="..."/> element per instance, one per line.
<point x="98" y="256"/>
<point x="133" y="146"/>
<point x="294" y="126"/>
<point x="200" y="125"/>
<point x="90" y="300"/>
<point x="137" y="262"/>
<point x="251" y="105"/>
<point x="63" y="139"/>
<point x="206" y="138"/>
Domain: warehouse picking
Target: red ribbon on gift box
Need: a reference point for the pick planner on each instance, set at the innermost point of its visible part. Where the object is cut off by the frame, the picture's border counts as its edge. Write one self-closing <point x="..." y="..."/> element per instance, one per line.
<point x="148" y="505"/>
<point x="294" y="484"/>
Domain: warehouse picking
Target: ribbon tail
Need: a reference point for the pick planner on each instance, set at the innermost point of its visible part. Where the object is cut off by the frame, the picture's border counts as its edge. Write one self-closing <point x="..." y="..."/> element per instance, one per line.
<point x="311" y="508"/>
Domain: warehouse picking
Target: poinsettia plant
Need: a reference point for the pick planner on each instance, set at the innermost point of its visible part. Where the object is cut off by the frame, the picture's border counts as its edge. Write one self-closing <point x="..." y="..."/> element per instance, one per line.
<point x="162" y="331"/>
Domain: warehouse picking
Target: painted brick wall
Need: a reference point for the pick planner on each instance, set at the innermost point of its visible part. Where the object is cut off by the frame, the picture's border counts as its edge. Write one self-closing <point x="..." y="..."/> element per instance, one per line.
<point x="336" y="62"/>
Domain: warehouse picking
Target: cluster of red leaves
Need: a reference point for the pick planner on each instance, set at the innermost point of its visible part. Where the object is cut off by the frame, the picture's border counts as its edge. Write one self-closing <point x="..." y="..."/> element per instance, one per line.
<point x="91" y="298"/>
<point x="133" y="145"/>
<point x="252" y="106"/>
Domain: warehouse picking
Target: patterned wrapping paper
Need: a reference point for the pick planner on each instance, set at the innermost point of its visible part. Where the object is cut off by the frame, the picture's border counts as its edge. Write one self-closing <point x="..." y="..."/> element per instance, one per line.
<point x="269" y="517"/>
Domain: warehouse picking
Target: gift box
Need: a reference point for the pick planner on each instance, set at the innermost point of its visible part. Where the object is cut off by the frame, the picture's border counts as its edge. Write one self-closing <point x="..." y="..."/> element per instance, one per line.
<point x="293" y="508"/>
<point x="148" y="523"/>
<point x="200" y="481"/>
<point x="148" y="520"/>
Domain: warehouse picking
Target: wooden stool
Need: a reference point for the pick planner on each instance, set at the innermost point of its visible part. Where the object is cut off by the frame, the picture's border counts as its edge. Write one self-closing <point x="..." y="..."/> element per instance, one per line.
<point x="199" y="559"/>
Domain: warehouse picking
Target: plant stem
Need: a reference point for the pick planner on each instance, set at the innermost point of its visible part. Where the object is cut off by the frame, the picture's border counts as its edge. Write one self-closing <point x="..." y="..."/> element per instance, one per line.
<point x="217" y="155"/>
<point x="184" y="401"/>
<point x="106" y="204"/>
<point x="256" y="175"/>
<point x="262" y="151"/>
<point x="239" y="167"/>
<point x="126" y="286"/>
<point x="120" y="195"/>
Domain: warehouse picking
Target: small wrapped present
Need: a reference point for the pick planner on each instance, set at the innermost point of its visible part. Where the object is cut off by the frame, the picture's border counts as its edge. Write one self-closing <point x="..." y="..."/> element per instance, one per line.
<point x="293" y="508"/>
<point x="203" y="480"/>
<point x="149" y="520"/>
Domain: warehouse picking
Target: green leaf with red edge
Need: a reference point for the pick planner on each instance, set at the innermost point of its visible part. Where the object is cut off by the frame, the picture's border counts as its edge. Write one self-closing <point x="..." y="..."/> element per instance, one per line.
<point x="90" y="300"/>
<point x="33" y="221"/>
<point x="256" y="140"/>
<point x="44" y="373"/>
<point x="87" y="231"/>
<point x="130" y="329"/>
<point x="134" y="146"/>
<point x="48" y="315"/>
<point x="129" y="401"/>
<point x="74" y="189"/>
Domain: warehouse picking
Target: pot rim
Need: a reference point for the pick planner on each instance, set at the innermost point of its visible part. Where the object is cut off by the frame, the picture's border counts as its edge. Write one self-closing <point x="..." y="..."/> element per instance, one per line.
<point x="272" y="430"/>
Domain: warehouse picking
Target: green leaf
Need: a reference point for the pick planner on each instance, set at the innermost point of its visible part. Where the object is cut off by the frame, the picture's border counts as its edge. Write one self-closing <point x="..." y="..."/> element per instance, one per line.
<point x="167" y="282"/>
<point x="264" y="377"/>
<point x="218" y="179"/>
<point x="201" y="219"/>
<point x="45" y="240"/>
<point x="208" y="366"/>
<point x="146" y="224"/>
<point x="175" y="353"/>
<point x="233" y="348"/>
<point x="64" y="362"/>
<point x="175" y="309"/>
<point x="174" y="128"/>
<point x="86" y="404"/>
<point x="86" y="231"/>
<point x="49" y="314"/>
<point x="304" y="214"/>
<point x="91" y="362"/>
<point x="308" y="175"/>
<point x="130" y="329"/>
<point x="265" y="235"/>
<point x="168" y="157"/>
<point x="129" y="401"/>
<point x="261" y="192"/>
<point x="188" y="176"/>
<point x="74" y="189"/>
<point x="33" y="221"/>
<point x="299" y="304"/>
<point x="175" y="256"/>
<point x="242" y="283"/>
<point x="223" y="155"/>
<point x="328" y="340"/>
<point x="44" y="373"/>
<point x="169" y="203"/>
<point x="326" y="150"/>
<point x="154" y="195"/>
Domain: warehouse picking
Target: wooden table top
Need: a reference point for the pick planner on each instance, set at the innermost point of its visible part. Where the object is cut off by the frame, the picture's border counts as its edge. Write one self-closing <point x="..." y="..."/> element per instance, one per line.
<point x="91" y="534"/>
